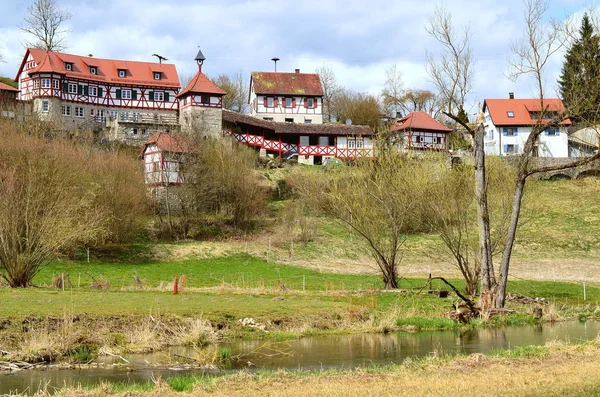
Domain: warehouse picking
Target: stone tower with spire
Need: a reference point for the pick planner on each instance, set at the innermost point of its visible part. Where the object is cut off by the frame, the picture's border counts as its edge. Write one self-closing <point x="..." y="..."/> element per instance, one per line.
<point x="201" y="104"/>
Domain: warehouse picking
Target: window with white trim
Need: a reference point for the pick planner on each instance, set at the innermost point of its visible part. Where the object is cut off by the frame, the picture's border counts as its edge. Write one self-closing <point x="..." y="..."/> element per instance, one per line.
<point x="270" y="102"/>
<point x="288" y="102"/>
<point x="157" y="75"/>
<point x="68" y="66"/>
<point x="66" y="110"/>
<point x="93" y="91"/>
<point x="55" y="84"/>
<point x="351" y="143"/>
<point x="510" y="114"/>
<point x="510" y="131"/>
<point x="126" y="94"/>
<point x="310" y="103"/>
<point x="72" y="88"/>
<point x="93" y="70"/>
<point x="552" y="131"/>
<point x="45" y="106"/>
<point x="79" y="112"/>
<point x="45" y="83"/>
<point x="359" y="143"/>
<point x="510" y="149"/>
<point x="159" y="96"/>
<point x="36" y="83"/>
<point x="123" y="116"/>
<point x="122" y="73"/>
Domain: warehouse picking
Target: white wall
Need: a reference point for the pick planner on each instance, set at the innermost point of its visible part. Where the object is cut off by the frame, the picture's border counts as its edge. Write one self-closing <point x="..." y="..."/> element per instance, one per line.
<point x="549" y="146"/>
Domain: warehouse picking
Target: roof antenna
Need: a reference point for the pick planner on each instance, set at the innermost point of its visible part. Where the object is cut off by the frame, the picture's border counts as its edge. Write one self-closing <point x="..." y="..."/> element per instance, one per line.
<point x="275" y="59"/>
<point x="160" y="58"/>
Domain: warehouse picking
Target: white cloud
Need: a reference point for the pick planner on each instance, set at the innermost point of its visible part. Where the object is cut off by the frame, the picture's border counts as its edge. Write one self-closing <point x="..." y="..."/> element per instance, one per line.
<point x="359" y="39"/>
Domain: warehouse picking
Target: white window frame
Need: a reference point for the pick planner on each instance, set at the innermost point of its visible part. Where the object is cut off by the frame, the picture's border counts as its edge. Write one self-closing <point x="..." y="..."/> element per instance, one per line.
<point x="270" y="102"/>
<point x="510" y="114"/>
<point x="93" y="91"/>
<point x="46" y="82"/>
<point x="93" y="70"/>
<point x="553" y="131"/>
<point x="310" y="103"/>
<point x="79" y="112"/>
<point x="510" y="131"/>
<point x="159" y="96"/>
<point x="66" y="110"/>
<point x="123" y="116"/>
<point x="45" y="106"/>
<point x="68" y="66"/>
<point x="351" y="143"/>
<point x="157" y="76"/>
<point x="513" y="146"/>
<point x="72" y="88"/>
<point x="36" y="84"/>
<point x="290" y="100"/>
<point x="125" y="94"/>
<point x="360" y="142"/>
<point x="55" y="84"/>
<point x="122" y="73"/>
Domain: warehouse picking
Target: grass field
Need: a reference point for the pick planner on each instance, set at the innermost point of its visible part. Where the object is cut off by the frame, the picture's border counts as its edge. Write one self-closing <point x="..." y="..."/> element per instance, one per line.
<point x="326" y="285"/>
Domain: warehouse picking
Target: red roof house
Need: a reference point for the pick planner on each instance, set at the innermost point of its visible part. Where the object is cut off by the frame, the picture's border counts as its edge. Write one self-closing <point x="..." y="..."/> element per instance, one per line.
<point x="286" y="97"/>
<point x="420" y="131"/>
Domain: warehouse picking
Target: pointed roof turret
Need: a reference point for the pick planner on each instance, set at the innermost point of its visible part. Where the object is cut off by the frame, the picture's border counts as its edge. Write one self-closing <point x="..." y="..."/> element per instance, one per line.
<point x="200" y="57"/>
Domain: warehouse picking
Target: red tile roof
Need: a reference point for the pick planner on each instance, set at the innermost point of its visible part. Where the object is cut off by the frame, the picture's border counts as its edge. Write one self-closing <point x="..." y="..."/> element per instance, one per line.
<point x="297" y="128"/>
<point x="520" y="108"/>
<point x="168" y="143"/>
<point x="419" y="121"/>
<point x="6" y="87"/>
<point x="202" y="85"/>
<point x="138" y="73"/>
<point x="278" y="83"/>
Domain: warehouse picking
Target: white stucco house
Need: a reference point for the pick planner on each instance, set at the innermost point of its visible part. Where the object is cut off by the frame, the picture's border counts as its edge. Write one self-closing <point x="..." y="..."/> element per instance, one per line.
<point x="508" y="123"/>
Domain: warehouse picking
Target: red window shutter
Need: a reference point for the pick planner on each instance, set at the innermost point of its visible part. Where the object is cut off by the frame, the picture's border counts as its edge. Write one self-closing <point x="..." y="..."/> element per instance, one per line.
<point x="276" y="102"/>
<point x="305" y="102"/>
<point x="315" y="103"/>
<point x="293" y="102"/>
<point x="265" y="101"/>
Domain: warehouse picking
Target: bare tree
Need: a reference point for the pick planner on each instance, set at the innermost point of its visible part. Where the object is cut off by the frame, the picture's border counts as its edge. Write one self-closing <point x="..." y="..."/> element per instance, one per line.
<point x="416" y="100"/>
<point x="531" y="56"/>
<point x="331" y="89"/>
<point x="452" y="72"/>
<point x="378" y="203"/>
<point x="452" y="214"/>
<point x="44" y="22"/>
<point x="360" y="108"/>
<point x="393" y="91"/>
<point x="237" y="91"/>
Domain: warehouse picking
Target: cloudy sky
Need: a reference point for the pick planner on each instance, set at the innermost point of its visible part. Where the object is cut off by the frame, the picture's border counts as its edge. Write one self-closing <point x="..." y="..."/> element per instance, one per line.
<point x="358" y="39"/>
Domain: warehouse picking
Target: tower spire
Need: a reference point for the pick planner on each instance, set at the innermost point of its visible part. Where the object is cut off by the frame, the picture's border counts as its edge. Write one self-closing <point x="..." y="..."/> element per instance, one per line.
<point x="200" y="59"/>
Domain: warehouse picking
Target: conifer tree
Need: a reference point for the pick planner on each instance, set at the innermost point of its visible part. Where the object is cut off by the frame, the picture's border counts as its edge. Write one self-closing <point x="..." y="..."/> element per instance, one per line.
<point x="579" y="81"/>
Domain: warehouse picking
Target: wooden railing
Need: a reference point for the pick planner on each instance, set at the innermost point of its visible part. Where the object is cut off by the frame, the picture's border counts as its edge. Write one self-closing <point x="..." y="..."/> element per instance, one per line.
<point x="302" y="150"/>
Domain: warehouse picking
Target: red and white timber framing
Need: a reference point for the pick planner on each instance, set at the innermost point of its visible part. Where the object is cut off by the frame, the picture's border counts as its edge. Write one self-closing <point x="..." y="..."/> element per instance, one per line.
<point x="201" y="100"/>
<point x="160" y="171"/>
<point x="302" y="150"/>
<point x="94" y="93"/>
<point x="424" y="140"/>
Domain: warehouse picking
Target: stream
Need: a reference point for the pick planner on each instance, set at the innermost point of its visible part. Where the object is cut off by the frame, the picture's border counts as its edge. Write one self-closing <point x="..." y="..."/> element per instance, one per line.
<point x="314" y="353"/>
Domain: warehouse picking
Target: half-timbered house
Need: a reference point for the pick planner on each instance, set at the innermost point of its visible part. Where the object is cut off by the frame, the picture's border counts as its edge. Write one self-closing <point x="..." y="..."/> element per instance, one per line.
<point x="124" y="100"/>
<point x="286" y="97"/>
<point x="420" y="131"/>
<point x="200" y="104"/>
<point x="309" y="143"/>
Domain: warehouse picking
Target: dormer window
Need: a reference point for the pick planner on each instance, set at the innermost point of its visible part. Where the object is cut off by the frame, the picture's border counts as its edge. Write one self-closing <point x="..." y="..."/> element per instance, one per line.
<point x="93" y="70"/>
<point x="510" y="114"/>
<point x="68" y="66"/>
<point x="122" y="73"/>
<point x="157" y="75"/>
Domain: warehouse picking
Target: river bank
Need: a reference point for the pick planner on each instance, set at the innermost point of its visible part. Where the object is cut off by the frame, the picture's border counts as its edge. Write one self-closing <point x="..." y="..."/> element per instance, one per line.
<point x="555" y="369"/>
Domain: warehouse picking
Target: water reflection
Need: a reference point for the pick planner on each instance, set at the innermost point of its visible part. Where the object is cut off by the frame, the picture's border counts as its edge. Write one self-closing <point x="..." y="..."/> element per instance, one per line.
<point x="317" y="353"/>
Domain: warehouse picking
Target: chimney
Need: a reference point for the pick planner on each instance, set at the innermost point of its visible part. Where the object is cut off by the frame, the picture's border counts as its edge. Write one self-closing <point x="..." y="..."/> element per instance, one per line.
<point x="511" y="95"/>
<point x="297" y="71"/>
